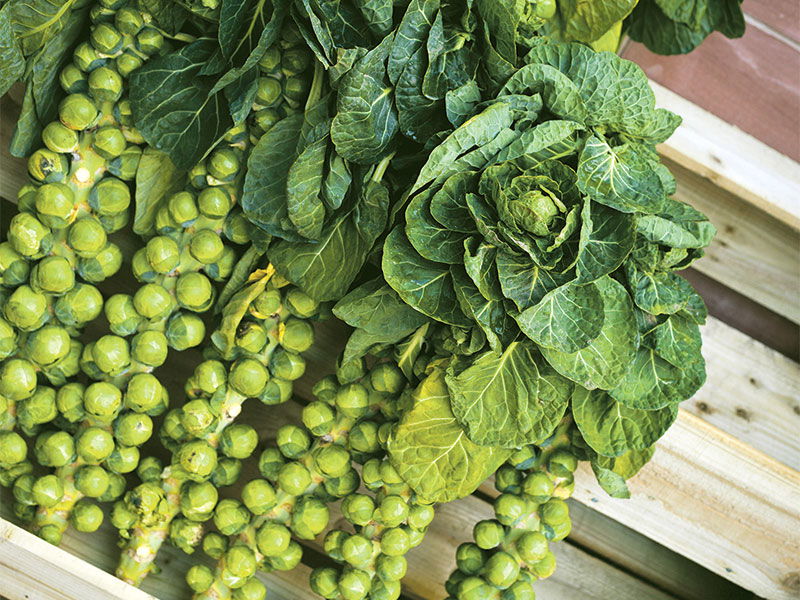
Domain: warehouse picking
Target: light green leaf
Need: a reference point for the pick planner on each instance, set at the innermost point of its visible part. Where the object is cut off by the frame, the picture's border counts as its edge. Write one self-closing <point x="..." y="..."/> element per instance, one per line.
<point x="612" y="473"/>
<point x="586" y="21"/>
<point x="407" y="352"/>
<point x="503" y="400"/>
<point x="607" y="238"/>
<point x="613" y="429"/>
<point x="305" y="208"/>
<point x="523" y="282"/>
<point x="432" y="452"/>
<point x="157" y="179"/>
<point x="490" y="315"/>
<point x="660" y="292"/>
<point x="559" y="93"/>
<point x="460" y="102"/>
<point x="679" y="226"/>
<point x="376" y="308"/>
<point x="677" y="340"/>
<point x="551" y="139"/>
<point x="604" y="362"/>
<point x="12" y="62"/>
<point x="566" y="319"/>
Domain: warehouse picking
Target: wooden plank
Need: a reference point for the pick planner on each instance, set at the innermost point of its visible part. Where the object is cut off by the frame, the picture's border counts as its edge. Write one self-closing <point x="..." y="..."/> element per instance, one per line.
<point x="751" y="82"/>
<point x="717" y="501"/>
<point x="781" y="15"/>
<point x="753" y="252"/>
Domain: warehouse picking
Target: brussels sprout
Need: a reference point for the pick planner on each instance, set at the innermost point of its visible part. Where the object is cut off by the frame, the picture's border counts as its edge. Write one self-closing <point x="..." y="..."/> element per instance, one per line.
<point x="339" y="487"/>
<point x="206" y="246"/>
<point x="149" y="40"/>
<point x="295" y="89"/>
<point x="359" y="509"/>
<point x="152" y="301"/>
<point x="86" y="516"/>
<point x="538" y="486"/>
<point x="116" y="488"/>
<point x="47" y="345"/>
<point x="111" y="354"/>
<point x="354" y="584"/>
<point x="224" y="164"/>
<point x="198" y="175"/>
<point x="102" y="266"/>
<point x="199" y="578"/>
<point x="258" y="496"/>
<point x="69" y="401"/>
<point x="28" y="236"/>
<point x="91" y="480"/>
<point x="221" y="269"/>
<point x="352" y="400"/>
<point x="294" y="478"/>
<point x="194" y="292"/>
<point x="252" y="589"/>
<point x="94" y="445"/>
<point x="17" y="379"/>
<point x="231" y="516"/>
<point x="266" y="118"/>
<point x="87" y="237"/>
<point x="271" y="60"/>
<point x="133" y="429"/>
<point x="287" y="365"/>
<point x="237" y="228"/>
<point x="185" y="534"/>
<point x="295" y="61"/>
<point x="163" y="254"/>
<point x="108" y="141"/>
<point x="150" y="469"/>
<point x="240" y="561"/>
<point x="185" y="330"/>
<point x="182" y="208"/>
<point x="14" y="269"/>
<point x="124" y="459"/>
<point x="128" y="20"/>
<point x="276" y="391"/>
<point x="318" y="417"/>
<point x="54" y="448"/>
<point x="215" y="545"/>
<point x="8" y="339"/>
<point x="53" y="275"/>
<point x="227" y="471"/>
<point x="214" y="202"/>
<point x="110" y="196"/>
<point x="268" y="91"/>
<point x="270" y="463"/>
<point x="248" y="377"/>
<point x="106" y="38"/>
<point x="46" y="165"/>
<point x="197" y="416"/>
<point x="198" y="459"/>
<point x="333" y="460"/>
<point x="59" y="138"/>
<point x="364" y="438"/>
<point x="126" y="63"/>
<point x="123" y="318"/>
<point x="238" y="440"/>
<point x="126" y="164"/>
<point x="23" y="490"/>
<point x="392" y="511"/>
<point x="357" y="550"/>
<point x="77" y="111"/>
<point x="51" y="534"/>
<point x="12" y="448"/>
<point x="210" y="375"/>
<point x="105" y="84"/>
<point x="509" y="509"/>
<point x="272" y="539"/>
<point x="198" y="500"/>
<point x="72" y="80"/>
<point x="47" y="491"/>
<point x="122" y="517"/>
<point x="391" y="568"/>
<point x="292" y="441"/>
<point x="488" y="534"/>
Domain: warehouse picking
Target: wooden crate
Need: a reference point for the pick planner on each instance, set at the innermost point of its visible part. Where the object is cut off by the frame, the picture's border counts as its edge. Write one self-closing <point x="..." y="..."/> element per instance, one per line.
<point x="714" y="516"/>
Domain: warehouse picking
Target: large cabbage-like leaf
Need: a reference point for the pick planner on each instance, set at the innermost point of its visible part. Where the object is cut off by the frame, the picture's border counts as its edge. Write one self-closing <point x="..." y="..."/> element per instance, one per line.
<point x="607" y="238"/>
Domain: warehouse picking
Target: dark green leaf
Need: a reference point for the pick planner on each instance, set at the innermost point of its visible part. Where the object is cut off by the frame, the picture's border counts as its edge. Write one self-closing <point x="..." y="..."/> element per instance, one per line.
<point x="432" y="240"/>
<point x="523" y="282"/>
<point x="12" y="62"/>
<point x="607" y="238"/>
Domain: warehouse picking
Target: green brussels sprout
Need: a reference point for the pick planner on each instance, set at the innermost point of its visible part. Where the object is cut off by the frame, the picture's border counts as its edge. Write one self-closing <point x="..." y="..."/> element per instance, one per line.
<point x="359" y="509"/>
<point x="215" y="545"/>
<point x="538" y="486"/>
<point x="357" y="550"/>
<point x="26" y="198"/>
<point x="273" y="539"/>
<point x="371" y="474"/>
<point x="152" y="301"/>
<point x="295" y="89"/>
<point x="395" y="542"/>
<point x="149" y="40"/>
<point x="248" y="377"/>
<point x="69" y="401"/>
<point x="46" y="165"/>
<point x="240" y="561"/>
<point x="266" y="118"/>
<point x="185" y="534"/>
<point x="420" y="516"/>
<point x="79" y="306"/>
<point x="54" y="448"/>
<point x="266" y="304"/>
<point x="271" y="60"/>
<point x="238" y="440"/>
<point x="554" y="512"/>
<point x="51" y="534"/>
<point x="59" y="138"/>
<point x="221" y="269"/>
<point x="270" y="463"/>
<point x="199" y="578"/>
<point x="108" y="141"/>
<point x="332" y="544"/>
<point x="521" y="590"/>
<point x="292" y="441"/>
<point x="237" y="228"/>
<point x="47" y="345"/>
<point x="91" y="481"/>
<point x="23" y="490"/>
<point x="86" y="516"/>
<point x="101" y="399"/>
<point x="364" y="438"/>
<point x="53" y="275"/>
<point x="214" y="202"/>
<point x="318" y="417"/>
<point x="474" y="588"/>
<point x="532" y="546"/>
<point x="14" y="269"/>
<point x="332" y="461"/>
<point x="224" y="164"/>
<point x="268" y="91"/>
<point x="227" y="471"/>
<point x="276" y="391"/>
<point x="198" y="500"/>
<point x="172" y="428"/>
<point x="128" y="20"/>
<point x="298" y="335"/>
<point x="231" y="517"/>
<point x="258" y="496"/>
<point x="294" y="478"/>
<point x="562" y="463"/>
<point x="94" y="445"/>
<point x="295" y="61"/>
<point x="351" y="371"/>
<point x="77" y="112"/>
<point x="86" y="57"/>
<point x="488" y="534"/>
<point x="105" y="84"/>
<point x="54" y="204"/>
<point x="287" y="365"/>
<point x="101" y="266"/>
<point x="110" y="196"/>
<point x="470" y="558"/>
<point x="126" y="164"/>
<point x="252" y="589"/>
<point x="251" y="337"/>
<point x="501" y="570"/>
<point x="28" y="235"/>
<point x="111" y="354"/>
<point x="72" y="80"/>
<point x="150" y="469"/>
<point x="392" y="511"/>
<point x="182" y="208"/>
<point x="354" y="584"/>
<point x="206" y="246"/>
<point x="339" y="487"/>
<point x="391" y="568"/>
<point x="194" y="292"/>
<point x="133" y="429"/>
<point x="352" y="400"/>
<point x="508" y="479"/>
<point x="127" y="62"/>
<point x="387" y="378"/>
<point x="523" y="458"/>
<point x="124" y="459"/>
<point x="123" y="318"/>
<point x="149" y="348"/>
<point x="210" y="375"/>
<point x="198" y="175"/>
<point x="198" y="458"/>
<point x="385" y="590"/>
<point x="122" y="517"/>
<point x="324" y="581"/>
<point x="185" y="330"/>
<point x="13" y="449"/>
<point x="163" y="254"/>
<point x="8" y="339"/>
<point x="510" y="509"/>
<point x="106" y="38"/>
<point x="17" y="379"/>
<point x="116" y="488"/>
<point x="198" y="417"/>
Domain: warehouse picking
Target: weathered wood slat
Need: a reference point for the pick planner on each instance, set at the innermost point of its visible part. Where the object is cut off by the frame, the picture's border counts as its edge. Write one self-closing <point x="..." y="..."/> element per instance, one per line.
<point x="781" y="15"/>
<point x="717" y="501"/>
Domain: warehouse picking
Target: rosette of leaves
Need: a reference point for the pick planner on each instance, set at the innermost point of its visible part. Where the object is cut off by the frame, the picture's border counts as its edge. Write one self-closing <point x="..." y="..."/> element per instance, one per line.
<point x="545" y="222"/>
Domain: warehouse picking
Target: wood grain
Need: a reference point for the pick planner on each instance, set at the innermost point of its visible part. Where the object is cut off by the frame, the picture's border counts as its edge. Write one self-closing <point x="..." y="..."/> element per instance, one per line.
<point x="781" y="15"/>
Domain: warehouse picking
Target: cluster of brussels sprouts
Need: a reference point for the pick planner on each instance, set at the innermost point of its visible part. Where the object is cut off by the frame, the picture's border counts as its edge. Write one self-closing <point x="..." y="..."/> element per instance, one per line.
<point x="261" y="360"/>
<point x="57" y="249"/>
<point x="307" y="468"/>
<point x="512" y="551"/>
